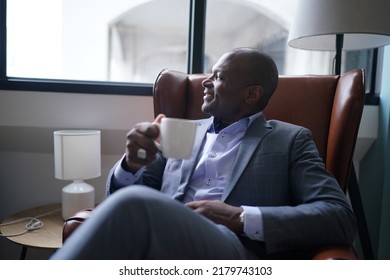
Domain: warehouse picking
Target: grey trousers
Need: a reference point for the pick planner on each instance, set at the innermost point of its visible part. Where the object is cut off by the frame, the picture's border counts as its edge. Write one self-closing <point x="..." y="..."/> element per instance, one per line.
<point x="138" y="222"/>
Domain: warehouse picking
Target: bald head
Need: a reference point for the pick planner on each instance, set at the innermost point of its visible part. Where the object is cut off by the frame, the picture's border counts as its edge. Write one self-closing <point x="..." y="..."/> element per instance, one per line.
<point x="255" y="68"/>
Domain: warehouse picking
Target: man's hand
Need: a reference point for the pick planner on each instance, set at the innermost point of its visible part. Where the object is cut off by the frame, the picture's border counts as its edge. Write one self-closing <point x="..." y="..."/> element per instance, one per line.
<point x="220" y="213"/>
<point x="142" y="136"/>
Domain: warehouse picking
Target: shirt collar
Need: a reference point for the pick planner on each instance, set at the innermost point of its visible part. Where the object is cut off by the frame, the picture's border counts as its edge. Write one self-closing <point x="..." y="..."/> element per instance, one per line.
<point x="217" y="126"/>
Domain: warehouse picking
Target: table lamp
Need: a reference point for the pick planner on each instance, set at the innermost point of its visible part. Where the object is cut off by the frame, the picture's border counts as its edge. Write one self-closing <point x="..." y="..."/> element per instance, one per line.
<point x="77" y="157"/>
<point x="340" y="25"/>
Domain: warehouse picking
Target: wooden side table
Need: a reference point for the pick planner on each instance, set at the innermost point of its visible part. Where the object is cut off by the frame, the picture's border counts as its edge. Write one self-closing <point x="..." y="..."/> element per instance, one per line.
<point x="47" y="237"/>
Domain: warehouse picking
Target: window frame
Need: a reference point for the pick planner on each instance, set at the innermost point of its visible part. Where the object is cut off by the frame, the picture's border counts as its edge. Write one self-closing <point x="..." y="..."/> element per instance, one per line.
<point x="194" y="63"/>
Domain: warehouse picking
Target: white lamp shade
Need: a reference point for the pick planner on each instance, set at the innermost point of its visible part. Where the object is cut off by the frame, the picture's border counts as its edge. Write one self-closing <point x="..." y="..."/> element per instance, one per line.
<point x="364" y="23"/>
<point x="77" y="154"/>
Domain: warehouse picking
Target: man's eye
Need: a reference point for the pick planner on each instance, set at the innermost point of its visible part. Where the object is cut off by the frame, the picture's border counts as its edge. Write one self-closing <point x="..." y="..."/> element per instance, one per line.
<point x="218" y="77"/>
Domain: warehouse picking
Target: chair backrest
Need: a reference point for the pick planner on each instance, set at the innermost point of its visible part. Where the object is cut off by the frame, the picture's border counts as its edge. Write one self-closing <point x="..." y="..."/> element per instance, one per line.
<point x="330" y="106"/>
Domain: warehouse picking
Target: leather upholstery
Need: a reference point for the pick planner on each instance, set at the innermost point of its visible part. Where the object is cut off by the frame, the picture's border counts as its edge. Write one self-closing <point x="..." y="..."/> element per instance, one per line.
<point x="72" y="223"/>
<point x="335" y="253"/>
<point x="330" y="106"/>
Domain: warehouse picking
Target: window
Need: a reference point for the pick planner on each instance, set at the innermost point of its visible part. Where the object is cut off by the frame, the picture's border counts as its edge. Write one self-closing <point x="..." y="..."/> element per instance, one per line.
<point x="120" y="46"/>
<point x="247" y="24"/>
<point x="144" y="40"/>
<point x="115" y="41"/>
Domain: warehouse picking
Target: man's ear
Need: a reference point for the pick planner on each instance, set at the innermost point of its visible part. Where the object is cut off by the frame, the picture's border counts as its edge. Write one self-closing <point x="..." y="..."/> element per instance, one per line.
<point x="254" y="94"/>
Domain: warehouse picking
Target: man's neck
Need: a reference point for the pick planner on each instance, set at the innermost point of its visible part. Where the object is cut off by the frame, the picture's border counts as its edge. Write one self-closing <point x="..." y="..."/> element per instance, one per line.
<point x="219" y="125"/>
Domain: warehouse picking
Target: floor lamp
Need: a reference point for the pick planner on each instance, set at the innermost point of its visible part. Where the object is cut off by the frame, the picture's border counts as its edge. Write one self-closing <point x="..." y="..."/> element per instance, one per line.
<point x="337" y="25"/>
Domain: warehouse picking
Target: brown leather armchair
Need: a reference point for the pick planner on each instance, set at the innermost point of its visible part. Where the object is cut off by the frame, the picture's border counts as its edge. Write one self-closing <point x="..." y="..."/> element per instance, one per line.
<point x="330" y="106"/>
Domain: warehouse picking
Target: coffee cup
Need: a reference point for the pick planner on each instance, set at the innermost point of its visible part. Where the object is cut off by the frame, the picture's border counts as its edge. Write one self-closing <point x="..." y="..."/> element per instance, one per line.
<point x="177" y="137"/>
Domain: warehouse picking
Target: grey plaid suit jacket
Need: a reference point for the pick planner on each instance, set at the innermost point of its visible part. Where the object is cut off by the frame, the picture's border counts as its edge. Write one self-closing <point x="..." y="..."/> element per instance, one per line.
<point x="279" y="170"/>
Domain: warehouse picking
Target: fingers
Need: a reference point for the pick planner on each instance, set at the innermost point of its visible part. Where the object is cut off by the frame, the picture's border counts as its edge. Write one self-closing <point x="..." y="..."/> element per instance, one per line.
<point x="159" y="118"/>
<point x="140" y="146"/>
<point x="193" y="204"/>
<point x="219" y="212"/>
<point x="157" y="122"/>
<point x="142" y="137"/>
<point x="202" y="207"/>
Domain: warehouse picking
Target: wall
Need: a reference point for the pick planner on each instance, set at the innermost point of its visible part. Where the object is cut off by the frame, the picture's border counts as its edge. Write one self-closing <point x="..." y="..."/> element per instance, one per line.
<point x="375" y="176"/>
<point x="27" y="122"/>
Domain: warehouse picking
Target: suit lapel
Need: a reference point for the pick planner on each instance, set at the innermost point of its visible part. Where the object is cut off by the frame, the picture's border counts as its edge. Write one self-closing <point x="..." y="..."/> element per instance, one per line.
<point x="189" y="165"/>
<point x="252" y="138"/>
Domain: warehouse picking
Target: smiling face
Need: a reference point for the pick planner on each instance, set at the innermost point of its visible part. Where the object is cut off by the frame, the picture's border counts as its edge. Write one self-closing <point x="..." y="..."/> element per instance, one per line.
<point x="223" y="91"/>
<point x="233" y="91"/>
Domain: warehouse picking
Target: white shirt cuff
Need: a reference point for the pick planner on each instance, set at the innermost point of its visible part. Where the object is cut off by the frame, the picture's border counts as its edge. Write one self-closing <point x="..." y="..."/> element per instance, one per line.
<point x="123" y="177"/>
<point x="253" y="223"/>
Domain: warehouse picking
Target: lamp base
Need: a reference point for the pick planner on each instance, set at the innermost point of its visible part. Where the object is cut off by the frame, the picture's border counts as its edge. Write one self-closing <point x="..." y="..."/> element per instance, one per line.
<point x="77" y="196"/>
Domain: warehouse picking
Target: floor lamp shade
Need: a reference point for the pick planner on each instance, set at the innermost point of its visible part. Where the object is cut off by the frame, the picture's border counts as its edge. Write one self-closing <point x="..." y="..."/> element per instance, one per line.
<point x="363" y="23"/>
<point x="77" y="155"/>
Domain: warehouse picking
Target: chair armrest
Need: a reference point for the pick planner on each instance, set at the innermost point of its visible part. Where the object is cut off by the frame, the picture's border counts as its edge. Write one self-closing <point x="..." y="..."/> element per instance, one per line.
<point x="72" y="223"/>
<point x="335" y="253"/>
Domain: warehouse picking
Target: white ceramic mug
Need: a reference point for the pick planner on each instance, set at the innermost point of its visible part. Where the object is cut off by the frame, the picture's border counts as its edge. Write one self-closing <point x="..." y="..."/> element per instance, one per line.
<point x="177" y="137"/>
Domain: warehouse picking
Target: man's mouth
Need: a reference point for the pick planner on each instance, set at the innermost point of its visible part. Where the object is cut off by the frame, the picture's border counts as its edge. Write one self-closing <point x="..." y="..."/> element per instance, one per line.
<point x="208" y="96"/>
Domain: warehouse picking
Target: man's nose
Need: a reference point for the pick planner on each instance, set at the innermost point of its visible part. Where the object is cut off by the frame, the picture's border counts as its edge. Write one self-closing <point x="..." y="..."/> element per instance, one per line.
<point x="206" y="82"/>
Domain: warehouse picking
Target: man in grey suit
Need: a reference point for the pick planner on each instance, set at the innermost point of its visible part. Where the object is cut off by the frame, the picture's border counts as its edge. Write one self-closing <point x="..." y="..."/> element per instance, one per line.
<point x="252" y="189"/>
